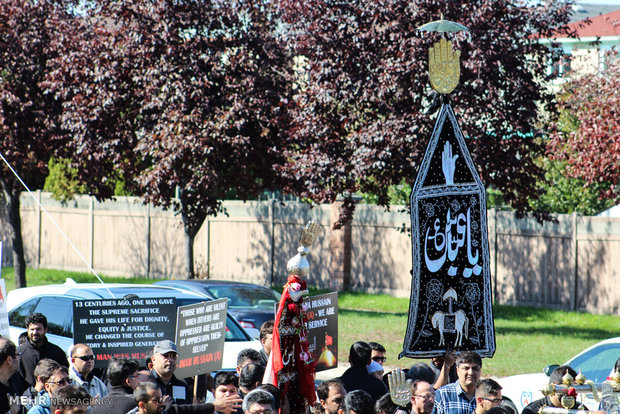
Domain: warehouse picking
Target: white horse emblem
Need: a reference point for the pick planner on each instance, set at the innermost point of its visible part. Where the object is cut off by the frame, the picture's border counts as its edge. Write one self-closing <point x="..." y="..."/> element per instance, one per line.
<point x="461" y="325"/>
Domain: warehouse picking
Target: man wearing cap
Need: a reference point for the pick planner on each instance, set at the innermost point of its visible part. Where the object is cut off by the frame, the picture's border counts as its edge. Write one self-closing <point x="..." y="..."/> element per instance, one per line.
<point x="164" y="360"/>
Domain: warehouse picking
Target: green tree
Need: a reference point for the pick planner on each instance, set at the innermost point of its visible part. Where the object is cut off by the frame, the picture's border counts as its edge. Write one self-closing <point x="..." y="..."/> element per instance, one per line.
<point x="585" y="136"/>
<point x="62" y="180"/>
<point x="565" y="194"/>
<point x="64" y="183"/>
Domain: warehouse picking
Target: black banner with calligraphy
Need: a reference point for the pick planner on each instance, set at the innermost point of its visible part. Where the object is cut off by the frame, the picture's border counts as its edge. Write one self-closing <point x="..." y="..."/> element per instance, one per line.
<point x="450" y="304"/>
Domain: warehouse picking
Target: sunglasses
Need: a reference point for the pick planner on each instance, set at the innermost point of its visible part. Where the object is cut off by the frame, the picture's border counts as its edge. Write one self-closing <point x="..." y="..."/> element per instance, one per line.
<point x="494" y="400"/>
<point x="425" y="397"/>
<point x="86" y="357"/>
<point x="62" y="381"/>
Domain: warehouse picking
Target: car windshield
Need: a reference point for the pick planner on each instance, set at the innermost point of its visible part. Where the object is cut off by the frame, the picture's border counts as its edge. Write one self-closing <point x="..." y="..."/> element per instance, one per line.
<point x="44" y="305"/>
<point x="597" y="363"/>
<point x="240" y="296"/>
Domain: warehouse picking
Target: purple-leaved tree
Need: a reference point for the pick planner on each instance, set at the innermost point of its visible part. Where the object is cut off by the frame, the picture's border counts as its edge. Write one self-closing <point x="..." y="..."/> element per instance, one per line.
<point x="179" y="98"/>
<point x="360" y="122"/>
<point x="29" y="134"/>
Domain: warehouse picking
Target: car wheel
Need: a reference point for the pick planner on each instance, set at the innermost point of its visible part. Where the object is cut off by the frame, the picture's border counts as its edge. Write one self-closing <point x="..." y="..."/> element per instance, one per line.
<point x="510" y="404"/>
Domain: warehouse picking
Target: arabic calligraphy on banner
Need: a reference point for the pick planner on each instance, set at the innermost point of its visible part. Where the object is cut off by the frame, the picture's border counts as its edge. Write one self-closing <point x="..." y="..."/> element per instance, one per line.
<point x="447" y="243"/>
<point x="450" y="304"/>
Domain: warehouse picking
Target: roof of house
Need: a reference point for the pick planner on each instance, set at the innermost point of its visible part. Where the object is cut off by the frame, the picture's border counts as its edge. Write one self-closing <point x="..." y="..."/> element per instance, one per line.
<point x="607" y="24"/>
<point x="582" y="11"/>
<point x="610" y="212"/>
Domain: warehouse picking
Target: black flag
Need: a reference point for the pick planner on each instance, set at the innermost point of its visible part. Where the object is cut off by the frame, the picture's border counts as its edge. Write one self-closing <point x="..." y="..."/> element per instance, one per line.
<point x="450" y="304"/>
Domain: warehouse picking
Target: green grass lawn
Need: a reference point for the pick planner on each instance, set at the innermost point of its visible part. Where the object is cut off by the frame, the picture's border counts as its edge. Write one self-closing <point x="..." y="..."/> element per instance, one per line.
<point x="527" y="339"/>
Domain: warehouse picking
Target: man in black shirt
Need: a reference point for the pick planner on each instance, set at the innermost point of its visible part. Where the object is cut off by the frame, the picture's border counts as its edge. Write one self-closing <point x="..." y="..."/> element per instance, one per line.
<point x="357" y="377"/>
<point x="123" y="378"/>
<point x="9" y="380"/>
<point x="164" y="360"/>
<point x="36" y="348"/>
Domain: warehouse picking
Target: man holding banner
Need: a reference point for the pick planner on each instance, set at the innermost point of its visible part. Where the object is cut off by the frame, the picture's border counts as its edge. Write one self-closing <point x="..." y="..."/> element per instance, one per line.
<point x="164" y="360"/>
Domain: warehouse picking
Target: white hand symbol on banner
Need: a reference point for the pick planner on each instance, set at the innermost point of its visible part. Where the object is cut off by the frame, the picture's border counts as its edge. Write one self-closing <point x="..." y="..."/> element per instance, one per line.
<point x="448" y="163"/>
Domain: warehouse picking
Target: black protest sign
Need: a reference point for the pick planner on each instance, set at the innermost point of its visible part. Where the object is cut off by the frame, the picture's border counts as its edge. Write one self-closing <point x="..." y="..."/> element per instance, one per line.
<point x="450" y="304"/>
<point x="201" y="330"/>
<point x="127" y="328"/>
<point x="322" y="328"/>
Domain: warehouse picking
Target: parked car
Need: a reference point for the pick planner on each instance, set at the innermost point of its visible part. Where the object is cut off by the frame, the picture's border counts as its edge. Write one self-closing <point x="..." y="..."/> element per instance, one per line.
<point x="595" y="362"/>
<point x="56" y="303"/>
<point x="249" y="303"/>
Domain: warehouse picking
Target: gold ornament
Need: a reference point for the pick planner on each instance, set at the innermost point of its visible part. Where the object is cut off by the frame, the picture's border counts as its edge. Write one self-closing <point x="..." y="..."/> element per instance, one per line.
<point x="548" y="389"/>
<point x="567" y="379"/>
<point x="580" y="378"/>
<point x="567" y="402"/>
<point x="444" y="66"/>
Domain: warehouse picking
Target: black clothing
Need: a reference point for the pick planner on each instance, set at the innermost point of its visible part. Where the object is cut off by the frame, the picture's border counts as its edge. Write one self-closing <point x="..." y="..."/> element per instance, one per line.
<point x="31" y="355"/>
<point x="452" y="376"/>
<point x="167" y="389"/>
<point x="264" y="357"/>
<point x="119" y="400"/>
<point x="206" y="408"/>
<point x="12" y="389"/>
<point x="358" y="378"/>
<point x="31" y="394"/>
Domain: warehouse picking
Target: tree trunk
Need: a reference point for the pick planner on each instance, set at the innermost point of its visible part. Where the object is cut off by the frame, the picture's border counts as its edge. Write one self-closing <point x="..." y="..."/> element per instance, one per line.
<point x="189" y="254"/>
<point x="19" y="261"/>
<point x="192" y="221"/>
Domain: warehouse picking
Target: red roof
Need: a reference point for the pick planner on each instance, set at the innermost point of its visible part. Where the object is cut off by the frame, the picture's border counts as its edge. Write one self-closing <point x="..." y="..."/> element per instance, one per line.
<point x="602" y="25"/>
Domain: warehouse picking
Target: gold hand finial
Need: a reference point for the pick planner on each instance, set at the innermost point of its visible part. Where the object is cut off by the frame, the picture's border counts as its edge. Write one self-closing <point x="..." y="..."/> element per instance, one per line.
<point x="444" y="66"/>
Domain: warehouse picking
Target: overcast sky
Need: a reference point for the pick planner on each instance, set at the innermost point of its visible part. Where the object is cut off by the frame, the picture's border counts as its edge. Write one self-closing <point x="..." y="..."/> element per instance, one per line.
<point x="606" y="2"/>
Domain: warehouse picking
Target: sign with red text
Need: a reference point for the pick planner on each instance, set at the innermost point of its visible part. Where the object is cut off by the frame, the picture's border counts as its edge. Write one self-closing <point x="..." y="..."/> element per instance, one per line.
<point x="123" y="328"/>
<point x="322" y="329"/>
<point x="201" y="330"/>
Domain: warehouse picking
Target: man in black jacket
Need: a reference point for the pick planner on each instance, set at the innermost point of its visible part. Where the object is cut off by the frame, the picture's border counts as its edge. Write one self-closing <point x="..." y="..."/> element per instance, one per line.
<point x="357" y="377"/>
<point x="164" y="360"/>
<point x="122" y="380"/>
<point x="36" y="348"/>
<point x="9" y="380"/>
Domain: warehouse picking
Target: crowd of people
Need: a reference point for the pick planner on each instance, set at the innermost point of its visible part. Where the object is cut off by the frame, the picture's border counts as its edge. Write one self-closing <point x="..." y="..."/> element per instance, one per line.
<point x="36" y="377"/>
